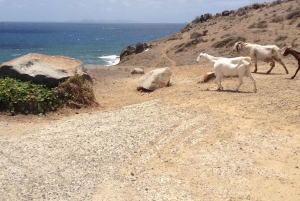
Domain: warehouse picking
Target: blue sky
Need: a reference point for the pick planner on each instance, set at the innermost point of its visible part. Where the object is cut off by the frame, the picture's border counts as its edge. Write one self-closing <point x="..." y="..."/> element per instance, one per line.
<point x="148" y="11"/>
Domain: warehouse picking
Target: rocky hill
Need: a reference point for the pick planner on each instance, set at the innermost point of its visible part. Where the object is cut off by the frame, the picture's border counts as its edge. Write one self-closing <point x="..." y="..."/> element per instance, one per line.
<point x="267" y="23"/>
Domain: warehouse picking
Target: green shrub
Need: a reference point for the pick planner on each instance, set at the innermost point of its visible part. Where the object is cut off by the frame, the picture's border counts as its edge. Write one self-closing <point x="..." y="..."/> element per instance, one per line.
<point x="26" y="97"/>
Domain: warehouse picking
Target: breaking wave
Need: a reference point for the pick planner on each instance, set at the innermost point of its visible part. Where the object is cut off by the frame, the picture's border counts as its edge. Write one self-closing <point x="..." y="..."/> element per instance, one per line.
<point x="110" y="60"/>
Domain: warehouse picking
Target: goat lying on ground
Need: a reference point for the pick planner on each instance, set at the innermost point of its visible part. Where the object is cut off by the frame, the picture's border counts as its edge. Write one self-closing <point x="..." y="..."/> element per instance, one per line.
<point x="296" y="54"/>
<point x="230" y="67"/>
<point x="268" y="53"/>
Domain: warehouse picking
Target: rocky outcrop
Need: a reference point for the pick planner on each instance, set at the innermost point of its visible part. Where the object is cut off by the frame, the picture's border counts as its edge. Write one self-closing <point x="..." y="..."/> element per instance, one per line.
<point x="227" y="12"/>
<point x="155" y="79"/>
<point x="129" y="50"/>
<point x="43" y="69"/>
<point x="207" y="16"/>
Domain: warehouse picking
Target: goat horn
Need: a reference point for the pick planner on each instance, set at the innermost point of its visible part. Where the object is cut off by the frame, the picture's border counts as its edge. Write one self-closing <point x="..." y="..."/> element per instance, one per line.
<point x="242" y="42"/>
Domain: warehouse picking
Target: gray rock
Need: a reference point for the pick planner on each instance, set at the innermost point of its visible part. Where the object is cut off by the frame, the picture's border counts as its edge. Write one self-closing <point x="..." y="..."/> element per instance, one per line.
<point x="155" y="79"/>
<point x="43" y="69"/>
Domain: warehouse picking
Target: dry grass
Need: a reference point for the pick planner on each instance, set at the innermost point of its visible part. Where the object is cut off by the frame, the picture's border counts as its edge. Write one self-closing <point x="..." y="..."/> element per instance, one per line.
<point x="81" y="92"/>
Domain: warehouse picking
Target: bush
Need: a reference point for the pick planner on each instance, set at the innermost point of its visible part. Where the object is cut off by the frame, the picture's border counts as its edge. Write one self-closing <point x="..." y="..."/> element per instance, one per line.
<point x="293" y="15"/>
<point x="280" y="38"/>
<point x="277" y="19"/>
<point x="78" y="92"/>
<point x="194" y="35"/>
<point x="26" y="97"/>
<point x="261" y="25"/>
<point x="228" y="42"/>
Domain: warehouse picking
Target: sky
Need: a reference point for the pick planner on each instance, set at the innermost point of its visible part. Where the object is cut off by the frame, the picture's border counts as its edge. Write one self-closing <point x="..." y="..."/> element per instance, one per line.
<point x="145" y="11"/>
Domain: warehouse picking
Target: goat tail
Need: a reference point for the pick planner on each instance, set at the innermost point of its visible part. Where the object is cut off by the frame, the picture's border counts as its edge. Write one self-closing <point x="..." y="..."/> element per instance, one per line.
<point x="248" y="59"/>
<point x="248" y="66"/>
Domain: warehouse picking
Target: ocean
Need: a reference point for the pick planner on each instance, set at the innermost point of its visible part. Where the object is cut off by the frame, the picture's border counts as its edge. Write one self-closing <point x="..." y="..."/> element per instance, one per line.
<point x="92" y="44"/>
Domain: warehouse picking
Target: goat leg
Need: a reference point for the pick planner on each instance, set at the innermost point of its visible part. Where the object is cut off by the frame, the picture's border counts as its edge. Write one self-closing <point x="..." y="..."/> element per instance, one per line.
<point x="255" y="70"/>
<point x="296" y="72"/>
<point x="272" y="64"/>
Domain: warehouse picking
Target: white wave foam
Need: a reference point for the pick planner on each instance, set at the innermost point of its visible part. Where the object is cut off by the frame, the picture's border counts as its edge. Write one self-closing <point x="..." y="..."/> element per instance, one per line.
<point x="111" y="60"/>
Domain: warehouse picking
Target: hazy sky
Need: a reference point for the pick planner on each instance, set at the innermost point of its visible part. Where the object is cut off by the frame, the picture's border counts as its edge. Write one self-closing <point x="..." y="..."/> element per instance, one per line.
<point x="156" y="11"/>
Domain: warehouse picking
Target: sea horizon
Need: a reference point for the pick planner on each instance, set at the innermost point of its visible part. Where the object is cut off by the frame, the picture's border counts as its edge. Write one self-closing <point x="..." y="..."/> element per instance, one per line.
<point x="92" y="43"/>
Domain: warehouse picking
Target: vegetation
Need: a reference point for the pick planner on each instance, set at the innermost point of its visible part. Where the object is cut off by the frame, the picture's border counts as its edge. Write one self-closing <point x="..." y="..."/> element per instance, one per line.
<point x="277" y="19"/>
<point x="228" y="41"/>
<point x="293" y="15"/>
<point x="26" y="97"/>
<point x="260" y="25"/>
<point x="195" y="34"/>
<point x="280" y="38"/>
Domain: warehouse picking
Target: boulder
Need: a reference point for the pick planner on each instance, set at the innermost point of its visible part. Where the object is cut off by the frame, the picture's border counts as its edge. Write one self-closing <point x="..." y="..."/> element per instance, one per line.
<point x="43" y="69"/>
<point x="139" y="48"/>
<point x="208" y="76"/>
<point x="226" y="13"/>
<point x="155" y="79"/>
<point x="137" y="71"/>
<point x="128" y="51"/>
<point x="207" y="16"/>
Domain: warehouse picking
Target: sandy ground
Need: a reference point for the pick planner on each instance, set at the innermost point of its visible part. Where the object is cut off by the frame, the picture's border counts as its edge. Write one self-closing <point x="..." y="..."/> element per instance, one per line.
<point x="184" y="142"/>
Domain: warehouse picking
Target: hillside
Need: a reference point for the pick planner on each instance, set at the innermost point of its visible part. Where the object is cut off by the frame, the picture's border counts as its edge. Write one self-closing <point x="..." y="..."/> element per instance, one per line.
<point x="183" y="142"/>
<point x="266" y="24"/>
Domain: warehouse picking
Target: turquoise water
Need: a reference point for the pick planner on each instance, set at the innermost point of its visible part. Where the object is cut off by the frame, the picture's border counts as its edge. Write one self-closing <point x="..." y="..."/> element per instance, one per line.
<point x="93" y="44"/>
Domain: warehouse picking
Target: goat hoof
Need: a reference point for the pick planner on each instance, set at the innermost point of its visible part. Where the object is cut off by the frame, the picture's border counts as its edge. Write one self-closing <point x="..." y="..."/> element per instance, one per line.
<point x="293" y="77"/>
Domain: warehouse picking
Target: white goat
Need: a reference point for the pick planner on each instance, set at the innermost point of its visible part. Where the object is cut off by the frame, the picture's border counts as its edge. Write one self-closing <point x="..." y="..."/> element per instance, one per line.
<point x="230" y="67"/>
<point x="268" y="53"/>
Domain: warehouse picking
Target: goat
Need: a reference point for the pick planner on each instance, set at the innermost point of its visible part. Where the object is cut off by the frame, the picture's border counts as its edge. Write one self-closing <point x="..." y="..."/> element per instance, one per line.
<point x="268" y="53"/>
<point x="230" y="67"/>
<point x="296" y="54"/>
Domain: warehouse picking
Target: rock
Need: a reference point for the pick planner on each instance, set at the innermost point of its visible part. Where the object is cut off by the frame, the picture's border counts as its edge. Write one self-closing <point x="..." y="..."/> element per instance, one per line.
<point x="128" y="51"/>
<point x="137" y="71"/>
<point x="155" y="79"/>
<point x="207" y="16"/>
<point x="43" y="69"/>
<point x="208" y="76"/>
<point x="226" y="13"/>
<point x="139" y="48"/>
